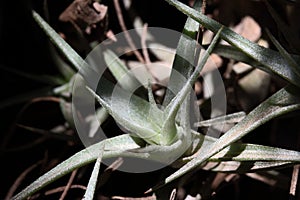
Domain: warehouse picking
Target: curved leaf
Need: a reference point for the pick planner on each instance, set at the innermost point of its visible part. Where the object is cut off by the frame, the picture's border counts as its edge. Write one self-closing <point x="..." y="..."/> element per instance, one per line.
<point x="81" y="158"/>
<point x="285" y="100"/>
<point x="237" y="157"/>
<point x="272" y="61"/>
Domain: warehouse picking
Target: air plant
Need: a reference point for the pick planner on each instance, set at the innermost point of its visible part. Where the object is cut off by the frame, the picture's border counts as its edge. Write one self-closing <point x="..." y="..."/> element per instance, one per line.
<point x="165" y="133"/>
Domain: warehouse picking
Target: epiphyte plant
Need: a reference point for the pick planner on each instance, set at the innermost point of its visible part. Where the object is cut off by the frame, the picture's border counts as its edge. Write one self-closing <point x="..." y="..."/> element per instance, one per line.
<point x="169" y="134"/>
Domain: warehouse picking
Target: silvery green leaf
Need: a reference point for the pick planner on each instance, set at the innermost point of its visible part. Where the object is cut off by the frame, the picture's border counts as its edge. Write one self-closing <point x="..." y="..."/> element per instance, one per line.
<point x="64" y="47"/>
<point x="126" y="145"/>
<point x="133" y="113"/>
<point x="171" y="110"/>
<point x="292" y="63"/>
<point x="123" y="145"/>
<point x="134" y="116"/>
<point x="254" y="153"/>
<point x="285" y="100"/>
<point x="231" y="118"/>
<point x="239" y="157"/>
<point x="288" y="30"/>
<point x="81" y="158"/>
<point x="65" y="69"/>
<point x="271" y="61"/>
<point x="125" y="79"/>
<point x="90" y="190"/>
<point x="183" y="62"/>
<point x="244" y="166"/>
<point x="142" y="118"/>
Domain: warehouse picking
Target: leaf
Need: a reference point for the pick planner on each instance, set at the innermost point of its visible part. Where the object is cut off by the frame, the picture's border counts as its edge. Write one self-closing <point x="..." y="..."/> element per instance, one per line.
<point x="133" y="116"/>
<point x="184" y="58"/>
<point x="286" y="29"/>
<point x="245" y="166"/>
<point x="142" y="118"/>
<point x="277" y="64"/>
<point x="123" y="145"/>
<point x="81" y="158"/>
<point x="120" y="72"/>
<point x="65" y="69"/>
<point x="90" y="71"/>
<point x="64" y="47"/>
<point x="124" y="77"/>
<point x="254" y="153"/>
<point x="294" y="66"/>
<point x="231" y="118"/>
<point x="132" y="112"/>
<point x="173" y="107"/>
<point x="251" y="158"/>
<point x="90" y="190"/>
<point x="137" y="116"/>
<point x="285" y="100"/>
<point x="117" y="146"/>
<point x="233" y="53"/>
<point x="241" y="158"/>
